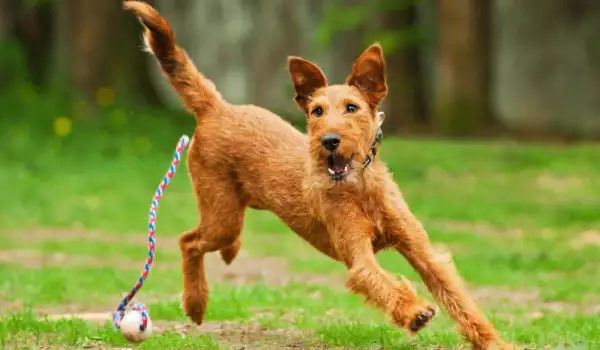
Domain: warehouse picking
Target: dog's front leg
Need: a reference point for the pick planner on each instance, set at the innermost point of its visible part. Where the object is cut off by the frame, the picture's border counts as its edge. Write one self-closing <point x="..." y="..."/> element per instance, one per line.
<point x="397" y="298"/>
<point x="442" y="280"/>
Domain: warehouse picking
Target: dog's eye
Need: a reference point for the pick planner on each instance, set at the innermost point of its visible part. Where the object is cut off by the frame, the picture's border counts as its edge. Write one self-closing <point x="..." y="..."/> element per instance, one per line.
<point x="318" y="111"/>
<point x="350" y="108"/>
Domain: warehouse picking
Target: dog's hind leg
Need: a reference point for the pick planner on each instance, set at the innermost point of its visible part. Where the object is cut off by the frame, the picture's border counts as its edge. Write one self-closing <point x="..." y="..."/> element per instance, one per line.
<point x="230" y="252"/>
<point x="221" y="216"/>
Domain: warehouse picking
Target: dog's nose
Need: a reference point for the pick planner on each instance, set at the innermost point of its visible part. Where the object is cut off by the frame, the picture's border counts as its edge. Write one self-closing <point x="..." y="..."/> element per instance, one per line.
<point x="331" y="141"/>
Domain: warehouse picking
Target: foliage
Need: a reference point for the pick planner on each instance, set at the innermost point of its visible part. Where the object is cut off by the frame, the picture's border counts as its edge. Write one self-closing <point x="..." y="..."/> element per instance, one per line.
<point x="35" y="120"/>
<point x="13" y="69"/>
<point x="343" y="17"/>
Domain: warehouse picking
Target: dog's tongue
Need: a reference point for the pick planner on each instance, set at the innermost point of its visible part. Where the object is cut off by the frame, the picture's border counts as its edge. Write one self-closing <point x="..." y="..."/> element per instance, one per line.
<point x="338" y="169"/>
<point x="339" y="166"/>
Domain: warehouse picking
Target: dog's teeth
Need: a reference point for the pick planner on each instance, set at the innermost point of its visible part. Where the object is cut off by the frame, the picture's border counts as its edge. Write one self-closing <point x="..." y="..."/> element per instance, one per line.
<point x="331" y="171"/>
<point x="346" y="168"/>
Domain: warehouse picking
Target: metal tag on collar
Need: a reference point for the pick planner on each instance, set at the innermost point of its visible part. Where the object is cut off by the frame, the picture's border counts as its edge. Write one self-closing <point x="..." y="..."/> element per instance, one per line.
<point x="381" y="116"/>
<point x="379" y="134"/>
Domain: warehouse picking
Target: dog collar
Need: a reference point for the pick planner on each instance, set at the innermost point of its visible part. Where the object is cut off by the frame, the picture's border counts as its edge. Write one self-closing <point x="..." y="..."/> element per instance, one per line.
<point x="378" y="138"/>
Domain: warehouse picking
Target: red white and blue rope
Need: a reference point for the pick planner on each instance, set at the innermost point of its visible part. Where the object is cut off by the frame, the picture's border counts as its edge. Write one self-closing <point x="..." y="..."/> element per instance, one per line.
<point x="120" y="313"/>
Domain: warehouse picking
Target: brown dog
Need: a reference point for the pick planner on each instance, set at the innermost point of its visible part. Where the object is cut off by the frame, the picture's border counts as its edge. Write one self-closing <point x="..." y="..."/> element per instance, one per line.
<point x="329" y="188"/>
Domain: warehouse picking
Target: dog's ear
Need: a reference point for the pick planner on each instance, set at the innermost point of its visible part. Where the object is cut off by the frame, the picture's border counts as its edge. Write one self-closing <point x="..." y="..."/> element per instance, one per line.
<point x="307" y="78"/>
<point x="368" y="75"/>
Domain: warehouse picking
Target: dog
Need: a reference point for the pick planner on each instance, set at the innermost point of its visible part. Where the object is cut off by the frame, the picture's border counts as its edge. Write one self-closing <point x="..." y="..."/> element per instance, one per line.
<point x="328" y="186"/>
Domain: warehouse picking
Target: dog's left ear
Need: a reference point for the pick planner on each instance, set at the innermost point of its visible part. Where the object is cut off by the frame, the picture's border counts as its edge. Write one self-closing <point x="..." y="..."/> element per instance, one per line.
<point x="368" y="75"/>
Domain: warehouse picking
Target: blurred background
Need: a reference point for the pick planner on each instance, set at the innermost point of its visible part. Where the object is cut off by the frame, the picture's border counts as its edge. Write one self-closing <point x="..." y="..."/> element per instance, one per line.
<point x="463" y="68"/>
<point x="88" y="126"/>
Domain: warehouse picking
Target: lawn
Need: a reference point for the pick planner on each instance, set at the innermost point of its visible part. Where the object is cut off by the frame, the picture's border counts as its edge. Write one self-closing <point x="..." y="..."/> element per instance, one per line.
<point x="522" y="222"/>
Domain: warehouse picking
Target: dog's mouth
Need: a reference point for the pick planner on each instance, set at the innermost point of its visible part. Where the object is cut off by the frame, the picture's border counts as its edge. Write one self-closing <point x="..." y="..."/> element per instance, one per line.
<point x="338" y="167"/>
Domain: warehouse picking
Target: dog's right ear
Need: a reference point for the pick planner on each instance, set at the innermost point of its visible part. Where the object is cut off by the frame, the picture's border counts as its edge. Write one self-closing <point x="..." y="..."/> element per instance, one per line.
<point x="307" y="78"/>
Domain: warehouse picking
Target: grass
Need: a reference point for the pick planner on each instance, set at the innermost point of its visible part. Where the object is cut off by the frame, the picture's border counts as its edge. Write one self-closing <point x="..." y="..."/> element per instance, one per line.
<point x="26" y="330"/>
<point x="521" y="220"/>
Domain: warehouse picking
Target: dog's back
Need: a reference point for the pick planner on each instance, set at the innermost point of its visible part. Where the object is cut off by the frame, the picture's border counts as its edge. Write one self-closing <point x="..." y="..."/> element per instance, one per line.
<point x="257" y="148"/>
<point x="262" y="156"/>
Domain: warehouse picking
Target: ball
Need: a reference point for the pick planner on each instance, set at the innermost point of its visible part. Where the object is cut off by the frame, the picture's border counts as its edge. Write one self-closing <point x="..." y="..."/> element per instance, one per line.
<point x="130" y="327"/>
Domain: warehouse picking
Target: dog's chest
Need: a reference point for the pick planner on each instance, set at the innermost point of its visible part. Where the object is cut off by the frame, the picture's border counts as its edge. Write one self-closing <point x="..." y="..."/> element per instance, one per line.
<point x="378" y="225"/>
<point x="372" y="211"/>
<point x="380" y="240"/>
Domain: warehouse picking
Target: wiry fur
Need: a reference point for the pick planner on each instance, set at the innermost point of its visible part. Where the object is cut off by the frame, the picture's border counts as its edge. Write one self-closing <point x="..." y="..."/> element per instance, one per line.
<point x="245" y="156"/>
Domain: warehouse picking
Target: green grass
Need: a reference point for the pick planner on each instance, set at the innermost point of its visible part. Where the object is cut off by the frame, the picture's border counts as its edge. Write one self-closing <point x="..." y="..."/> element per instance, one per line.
<point x="24" y="329"/>
<point x="512" y="214"/>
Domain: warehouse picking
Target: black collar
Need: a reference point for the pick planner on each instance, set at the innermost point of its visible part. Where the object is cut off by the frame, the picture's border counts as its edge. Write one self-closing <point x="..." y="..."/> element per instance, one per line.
<point x="373" y="150"/>
<point x="378" y="138"/>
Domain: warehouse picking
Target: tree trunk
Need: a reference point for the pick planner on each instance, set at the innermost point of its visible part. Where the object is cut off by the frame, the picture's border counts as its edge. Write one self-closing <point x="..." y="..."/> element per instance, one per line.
<point x="127" y="64"/>
<point x="461" y="103"/>
<point x="97" y="45"/>
<point x="547" y="66"/>
<point x="90" y="25"/>
<point x="405" y="105"/>
<point x="7" y="16"/>
<point x="31" y="29"/>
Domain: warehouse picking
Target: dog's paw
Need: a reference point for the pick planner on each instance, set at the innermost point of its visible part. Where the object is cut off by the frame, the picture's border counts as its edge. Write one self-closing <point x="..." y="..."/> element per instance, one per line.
<point x="418" y="316"/>
<point x="422" y="319"/>
<point x="193" y="308"/>
<point x="196" y="315"/>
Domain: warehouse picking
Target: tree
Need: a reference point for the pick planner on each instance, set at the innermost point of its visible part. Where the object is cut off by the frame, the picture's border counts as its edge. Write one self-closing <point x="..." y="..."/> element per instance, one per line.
<point x="348" y="27"/>
<point x="406" y="103"/>
<point x="7" y="15"/>
<point x="461" y="102"/>
<point x="96" y="45"/>
<point x="82" y="32"/>
<point x="547" y="66"/>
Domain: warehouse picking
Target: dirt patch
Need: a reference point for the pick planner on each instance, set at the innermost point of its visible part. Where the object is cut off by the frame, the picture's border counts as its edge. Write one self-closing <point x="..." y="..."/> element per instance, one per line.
<point x="249" y="336"/>
<point x="479" y="228"/>
<point x="497" y="294"/>
<point x="558" y="183"/>
<point x="235" y="335"/>
<point x="531" y="299"/>
<point x="35" y="259"/>
<point x="93" y="317"/>
<point x="245" y="268"/>
<point x="273" y="271"/>
<point x="590" y="238"/>
<point x="56" y="235"/>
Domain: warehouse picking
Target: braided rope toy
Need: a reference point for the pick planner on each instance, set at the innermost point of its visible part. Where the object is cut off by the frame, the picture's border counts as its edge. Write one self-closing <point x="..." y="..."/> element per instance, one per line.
<point x="136" y="325"/>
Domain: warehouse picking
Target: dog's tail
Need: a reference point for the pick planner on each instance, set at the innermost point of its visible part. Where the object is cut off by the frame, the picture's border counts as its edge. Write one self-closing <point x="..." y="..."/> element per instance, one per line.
<point x="198" y="93"/>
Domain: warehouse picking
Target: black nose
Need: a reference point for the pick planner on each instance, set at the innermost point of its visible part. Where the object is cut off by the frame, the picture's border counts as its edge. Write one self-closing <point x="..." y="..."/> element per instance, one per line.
<point x="331" y="141"/>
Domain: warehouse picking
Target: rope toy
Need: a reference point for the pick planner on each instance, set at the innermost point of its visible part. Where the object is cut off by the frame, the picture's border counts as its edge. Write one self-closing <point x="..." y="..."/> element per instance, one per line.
<point x="136" y="325"/>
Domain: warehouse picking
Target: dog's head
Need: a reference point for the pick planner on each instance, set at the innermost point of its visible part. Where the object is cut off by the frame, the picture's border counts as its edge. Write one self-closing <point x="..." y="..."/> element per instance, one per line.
<point x="342" y="119"/>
